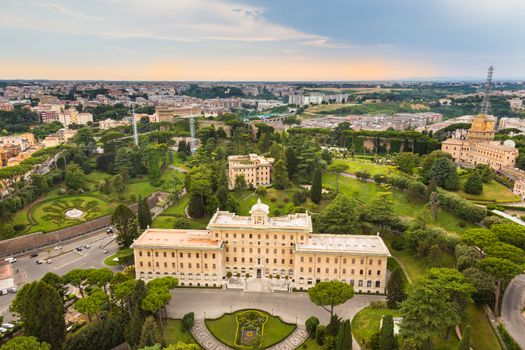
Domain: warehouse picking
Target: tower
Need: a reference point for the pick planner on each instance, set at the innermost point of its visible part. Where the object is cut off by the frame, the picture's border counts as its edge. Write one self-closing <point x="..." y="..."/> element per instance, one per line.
<point x="485" y="106"/>
<point x="135" y="133"/>
<point x="483" y="125"/>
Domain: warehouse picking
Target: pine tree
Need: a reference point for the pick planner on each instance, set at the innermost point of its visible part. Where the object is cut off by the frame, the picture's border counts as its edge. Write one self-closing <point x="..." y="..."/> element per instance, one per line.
<point x="149" y="334"/>
<point x="464" y="344"/>
<point x="474" y="184"/>
<point x="317" y="183"/>
<point x="387" y="339"/>
<point x="343" y="341"/>
<point x="133" y="329"/>
<point x="144" y="214"/>
<point x="395" y="289"/>
<point x="280" y="175"/>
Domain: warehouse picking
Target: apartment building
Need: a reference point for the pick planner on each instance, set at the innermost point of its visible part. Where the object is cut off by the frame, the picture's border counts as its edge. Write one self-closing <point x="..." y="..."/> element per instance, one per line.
<point x="24" y="141"/>
<point x="110" y="123"/>
<point x="257" y="170"/>
<point x="262" y="247"/>
<point x="72" y="116"/>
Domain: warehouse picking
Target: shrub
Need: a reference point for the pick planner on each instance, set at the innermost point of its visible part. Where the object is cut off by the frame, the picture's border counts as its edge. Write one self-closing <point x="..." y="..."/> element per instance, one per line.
<point x="311" y="325"/>
<point x="273" y="199"/>
<point x="300" y="197"/>
<point x="19" y="227"/>
<point x="188" y="320"/>
<point x="377" y="305"/>
<point x="461" y="207"/>
<point x="398" y="243"/>
<point x="320" y="334"/>
<point x="286" y="199"/>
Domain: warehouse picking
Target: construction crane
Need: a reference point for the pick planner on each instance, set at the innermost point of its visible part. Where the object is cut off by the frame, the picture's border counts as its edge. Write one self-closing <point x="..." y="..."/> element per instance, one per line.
<point x="485" y="106"/>
<point x="135" y="133"/>
<point x="192" y="133"/>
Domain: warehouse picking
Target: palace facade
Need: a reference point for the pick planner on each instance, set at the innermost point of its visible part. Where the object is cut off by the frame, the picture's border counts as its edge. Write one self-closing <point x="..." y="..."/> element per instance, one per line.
<point x="257" y="170"/>
<point x="262" y="247"/>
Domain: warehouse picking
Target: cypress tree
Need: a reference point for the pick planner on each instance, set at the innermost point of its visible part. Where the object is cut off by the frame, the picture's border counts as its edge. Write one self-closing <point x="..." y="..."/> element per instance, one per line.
<point x="149" y="335"/>
<point x="133" y="329"/>
<point x="317" y="183"/>
<point x="395" y="289"/>
<point x="464" y="344"/>
<point x="474" y="184"/>
<point x="387" y="339"/>
<point x="343" y="341"/>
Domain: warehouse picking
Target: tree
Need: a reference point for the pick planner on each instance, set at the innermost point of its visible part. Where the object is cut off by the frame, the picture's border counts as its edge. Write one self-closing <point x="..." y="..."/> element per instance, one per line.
<point x="25" y="343"/>
<point x="503" y="270"/>
<point x="337" y="169"/>
<point x="444" y="172"/>
<point x="76" y="277"/>
<point x="510" y="233"/>
<point x="100" y="277"/>
<point x="291" y="162"/>
<point x="149" y="334"/>
<point x="479" y="237"/>
<point x="240" y="183"/>
<point x="144" y="213"/>
<point x="330" y="294"/>
<point x="56" y="282"/>
<point x="343" y="341"/>
<point x="434" y="205"/>
<point x="126" y="224"/>
<point x="153" y="154"/>
<point x="183" y="346"/>
<point x="93" y="304"/>
<point x="311" y="325"/>
<point x="473" y="185"/>
<point x="395" y="289"/>
<point x="188" y="320"/>
<point x="117" y="184"/>
<point x="506" y="251"/>
<point x="317" y="186"/>
<point x="332" y="328"/>
<point x="280" y="175"/>
<point x="464" y="344"/>
<point x="406" y="161"/>
<point x="387" y="339"/>
<point x="75" y="178"/>
<point x="133" y="329"/>
<point x="340" y="216"/>
<point x="42" y="312"/>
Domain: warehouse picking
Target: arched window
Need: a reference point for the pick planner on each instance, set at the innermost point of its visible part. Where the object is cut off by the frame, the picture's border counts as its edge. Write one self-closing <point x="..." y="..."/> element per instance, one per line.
<point x="369" y="284"/>
<point x="378" y="284"/>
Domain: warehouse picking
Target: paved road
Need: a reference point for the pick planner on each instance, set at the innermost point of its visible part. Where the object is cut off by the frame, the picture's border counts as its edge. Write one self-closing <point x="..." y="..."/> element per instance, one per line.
<point x="89" y="258"/>
<point x="291" y="307"/>
<point x="512" y="308"/>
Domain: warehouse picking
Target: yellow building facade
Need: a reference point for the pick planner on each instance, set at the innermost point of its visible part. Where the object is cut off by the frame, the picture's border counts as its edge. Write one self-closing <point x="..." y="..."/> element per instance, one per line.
<point x="262" y="247"/>
<point x="257" y="170"/>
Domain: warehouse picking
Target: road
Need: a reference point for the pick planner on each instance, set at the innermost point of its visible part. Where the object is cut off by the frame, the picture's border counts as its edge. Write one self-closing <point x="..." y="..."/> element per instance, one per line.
<point x="512" y="309"/>
<point x="63" y="261"/>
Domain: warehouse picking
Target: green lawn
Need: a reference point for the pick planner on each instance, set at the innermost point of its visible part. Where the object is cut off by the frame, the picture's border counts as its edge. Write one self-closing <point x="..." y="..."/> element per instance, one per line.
<point x="282" y="199"/>
<point x="311" y="344"/>
<point x="125" y="254"/>
<point x="482" y="336"/>
<point x="176" y="211"/>
<point x="492" y="192"/>
<point x="173" y="333"/>
<point x="366" y="322"/>
<point x="363" y="165"/>
<point x="225" y="327"/>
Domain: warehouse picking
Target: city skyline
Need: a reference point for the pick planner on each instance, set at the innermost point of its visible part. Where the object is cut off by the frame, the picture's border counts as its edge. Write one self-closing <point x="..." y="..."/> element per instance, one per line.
<point x="254" y="40"/>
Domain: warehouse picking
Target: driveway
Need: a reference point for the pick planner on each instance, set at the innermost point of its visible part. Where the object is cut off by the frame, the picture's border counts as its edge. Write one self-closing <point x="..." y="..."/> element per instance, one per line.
<point x="512" y="308"/>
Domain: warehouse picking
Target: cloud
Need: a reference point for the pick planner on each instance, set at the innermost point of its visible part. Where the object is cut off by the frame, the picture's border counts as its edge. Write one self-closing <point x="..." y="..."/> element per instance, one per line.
<point x="120" y="50"/>
<point x="326" y="43"/>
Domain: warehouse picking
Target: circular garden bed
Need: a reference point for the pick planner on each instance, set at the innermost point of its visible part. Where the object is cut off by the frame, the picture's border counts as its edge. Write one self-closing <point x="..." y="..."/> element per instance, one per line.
<point x="245" y="329"/>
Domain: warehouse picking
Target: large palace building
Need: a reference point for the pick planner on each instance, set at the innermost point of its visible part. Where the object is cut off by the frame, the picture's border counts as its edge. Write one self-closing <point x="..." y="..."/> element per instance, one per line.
<point x="262" y="247"/>
<point x="257" y="170"/>
<point x="480" y="147"/>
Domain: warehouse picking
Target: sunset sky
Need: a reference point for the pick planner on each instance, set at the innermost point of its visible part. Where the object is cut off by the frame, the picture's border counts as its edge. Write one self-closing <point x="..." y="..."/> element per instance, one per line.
<point x="261" y="40"/>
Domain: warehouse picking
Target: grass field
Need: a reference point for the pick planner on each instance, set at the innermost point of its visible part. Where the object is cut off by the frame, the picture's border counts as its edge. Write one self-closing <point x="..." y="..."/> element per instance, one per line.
<point x="363" y="165"/>
<point x="225" y="327"/>
<point x="366" y="322"/>
<point x="482" y="336"/>
<point x="311" y="344"/>
<point x="121" y="254"/>
<point x="176" y="212"/>
<point x="174" y="333"/>
<point x="389" y="108"/>
<point x="492" y="192"/>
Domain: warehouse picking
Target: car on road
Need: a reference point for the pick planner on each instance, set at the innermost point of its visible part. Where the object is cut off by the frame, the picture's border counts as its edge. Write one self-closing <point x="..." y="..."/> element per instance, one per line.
<point x="78" y="249"/>
<point x="58" y="247"/>
<point x="105" y="251"/>
<point x="87" y="246"/>
<point x="12" y="290"/>
<point x="39" y="262"/>
<point x="33" y="255"/>
<point x="110" y="230"/>
<point x="3" y="292"/>
<point x="10" y="260"/>
<point x="8" y="325"/>
<point x="49" y="261"/>
<point x="3" y="330"/>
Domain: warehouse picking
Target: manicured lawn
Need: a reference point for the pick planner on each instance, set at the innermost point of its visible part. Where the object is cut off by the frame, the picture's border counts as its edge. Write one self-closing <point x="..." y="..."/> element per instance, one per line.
<point x="311" y="344"/>
<point x="173" y="333"/>
<point x="492" y="191"/>
<point x="121" y="254"/>
<point x="168" y="222"/>
<point x="178" y="209"/>
<point x="363" y="165"/>
<point x="366" y="322"/>
<point x="482" y="336"/>
<point x="225" y="327"/>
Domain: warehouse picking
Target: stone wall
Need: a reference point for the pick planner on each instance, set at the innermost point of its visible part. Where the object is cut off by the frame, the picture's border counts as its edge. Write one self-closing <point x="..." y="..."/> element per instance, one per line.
<point x="19" y="245"/>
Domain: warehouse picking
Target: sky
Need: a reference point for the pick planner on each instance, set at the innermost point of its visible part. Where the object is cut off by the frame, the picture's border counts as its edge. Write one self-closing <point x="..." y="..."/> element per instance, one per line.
<point x="255" y="40"/>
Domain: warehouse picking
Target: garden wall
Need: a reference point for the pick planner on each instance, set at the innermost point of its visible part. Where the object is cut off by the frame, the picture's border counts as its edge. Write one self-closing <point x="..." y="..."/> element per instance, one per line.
<point x="19" y="245"/>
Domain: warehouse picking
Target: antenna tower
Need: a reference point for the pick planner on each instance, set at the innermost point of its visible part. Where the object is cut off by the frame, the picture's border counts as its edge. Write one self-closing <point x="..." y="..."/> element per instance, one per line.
<point x="485" y="106"/>
<point x="192" y="132"/>
<point x="135" y="133"/>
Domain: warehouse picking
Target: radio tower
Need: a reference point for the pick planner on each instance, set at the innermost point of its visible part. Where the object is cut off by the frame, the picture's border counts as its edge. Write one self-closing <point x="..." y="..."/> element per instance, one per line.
<point x="135" y="133"/>
<point x="192" y="132"/>
<point x="485" y="106"/>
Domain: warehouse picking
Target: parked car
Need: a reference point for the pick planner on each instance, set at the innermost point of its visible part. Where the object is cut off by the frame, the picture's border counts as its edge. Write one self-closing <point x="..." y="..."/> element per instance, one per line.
<point x="3" y="330"/>
<point x="33" y="255"/>
<point x="78" y="249"/>
<point x="58" y="247"/>
<point x="39" y="262"/>
<point x="3" y="292"/>
<point x="49" y="261"/>
<point x="10" y="260"/>
<point x="110" y="230"/>
<point x="105" y="251"/>
<point x="12" y="290"/>
<point x="8" y="325"/>
<point x="87" y="246"/>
